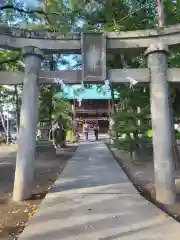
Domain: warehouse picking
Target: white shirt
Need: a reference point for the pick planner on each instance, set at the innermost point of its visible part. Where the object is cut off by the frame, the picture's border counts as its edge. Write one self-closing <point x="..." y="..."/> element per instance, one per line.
<point x="86" y="127"/>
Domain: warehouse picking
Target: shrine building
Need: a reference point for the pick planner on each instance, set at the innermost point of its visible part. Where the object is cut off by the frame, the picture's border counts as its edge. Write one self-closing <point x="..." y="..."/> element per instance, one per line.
<point x="90" y="104"/>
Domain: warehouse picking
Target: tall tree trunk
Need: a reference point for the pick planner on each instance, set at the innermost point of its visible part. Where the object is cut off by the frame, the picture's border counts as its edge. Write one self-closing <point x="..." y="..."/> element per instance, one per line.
<point x="2" y="119"/>
<point x="174" y="142"/>
<point x="74" y="118"/>
<point x="113" y="110"/>
<point x="50" y="110"/>
<point x="52" y="67"/>
<point x="17" y="106"/>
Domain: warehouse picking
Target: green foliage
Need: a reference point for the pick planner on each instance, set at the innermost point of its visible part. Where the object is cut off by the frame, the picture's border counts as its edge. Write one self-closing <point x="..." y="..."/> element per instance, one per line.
<point x="63" y="107"/>
<point x="177" y="134"/>
<point x="50" y="108"/>
<point x="130" y="125"/>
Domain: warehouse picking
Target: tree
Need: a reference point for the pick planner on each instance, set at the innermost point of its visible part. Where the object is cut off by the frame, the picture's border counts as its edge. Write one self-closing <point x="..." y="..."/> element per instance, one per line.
<point x="130" y="125"/>
<point x="10" y="59"/>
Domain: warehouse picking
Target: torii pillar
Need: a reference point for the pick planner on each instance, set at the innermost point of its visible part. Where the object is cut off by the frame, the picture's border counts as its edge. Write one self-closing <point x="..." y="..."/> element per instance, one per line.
<point x="25" y="160"/>
<point x="161" y="124"/>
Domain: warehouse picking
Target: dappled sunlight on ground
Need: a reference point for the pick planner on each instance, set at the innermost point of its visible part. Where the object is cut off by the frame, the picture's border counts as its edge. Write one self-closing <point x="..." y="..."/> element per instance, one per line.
<point x="13" y="216"/>
<point x="93" y="199"/>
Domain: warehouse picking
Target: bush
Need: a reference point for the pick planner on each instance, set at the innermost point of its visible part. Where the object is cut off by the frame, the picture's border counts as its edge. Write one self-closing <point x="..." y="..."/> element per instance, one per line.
<point x="177" y="134"/>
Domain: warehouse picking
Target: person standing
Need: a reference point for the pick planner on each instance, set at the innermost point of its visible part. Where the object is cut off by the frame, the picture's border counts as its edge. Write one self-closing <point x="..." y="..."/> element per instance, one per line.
<point x="53" y="133"/>
<point x="38" y="134"/>
<point x="86" y="130"/>
<point x="62" y="123"/>
<point x="96" y="130"/>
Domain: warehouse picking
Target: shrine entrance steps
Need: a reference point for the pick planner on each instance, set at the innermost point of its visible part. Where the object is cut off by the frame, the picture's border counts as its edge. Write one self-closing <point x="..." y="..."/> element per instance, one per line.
<point x="93" y="199"/>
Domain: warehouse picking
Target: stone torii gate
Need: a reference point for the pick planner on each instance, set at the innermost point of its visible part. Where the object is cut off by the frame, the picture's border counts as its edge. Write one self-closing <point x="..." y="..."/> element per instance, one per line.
<point x="34" y="44"/>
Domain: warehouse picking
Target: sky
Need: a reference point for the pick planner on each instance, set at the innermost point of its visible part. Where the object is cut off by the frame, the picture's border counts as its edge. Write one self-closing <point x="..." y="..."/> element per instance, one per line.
<point x="25" y="3"/>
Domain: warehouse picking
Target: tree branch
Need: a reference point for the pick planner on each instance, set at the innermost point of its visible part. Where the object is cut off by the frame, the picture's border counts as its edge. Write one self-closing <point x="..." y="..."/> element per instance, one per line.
<point x="28" y="11"/>
<point x="10" y="60"/>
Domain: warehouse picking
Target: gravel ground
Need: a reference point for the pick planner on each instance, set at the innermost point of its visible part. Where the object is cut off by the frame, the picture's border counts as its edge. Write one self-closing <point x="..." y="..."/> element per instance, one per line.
<point x="14" y="216"/>
<point x="142" y="176"/>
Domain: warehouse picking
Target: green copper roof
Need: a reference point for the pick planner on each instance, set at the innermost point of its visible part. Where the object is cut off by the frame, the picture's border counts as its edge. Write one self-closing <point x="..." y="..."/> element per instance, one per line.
<point x="87" y="93"/>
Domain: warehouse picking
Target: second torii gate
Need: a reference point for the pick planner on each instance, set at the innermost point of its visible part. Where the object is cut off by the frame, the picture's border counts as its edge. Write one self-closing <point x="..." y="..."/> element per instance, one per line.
<point x="93" y="46"/>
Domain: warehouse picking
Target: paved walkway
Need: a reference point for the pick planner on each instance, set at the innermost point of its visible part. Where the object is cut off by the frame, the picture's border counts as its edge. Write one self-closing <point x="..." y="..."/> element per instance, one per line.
<point x="94" y="200"/>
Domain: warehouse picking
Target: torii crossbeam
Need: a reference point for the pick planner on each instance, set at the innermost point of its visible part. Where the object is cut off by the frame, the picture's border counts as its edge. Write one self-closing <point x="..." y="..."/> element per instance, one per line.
<point x="115" y="76"/>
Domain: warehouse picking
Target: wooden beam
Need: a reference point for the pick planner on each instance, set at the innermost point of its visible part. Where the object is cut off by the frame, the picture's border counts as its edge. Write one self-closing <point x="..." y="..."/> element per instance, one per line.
<point x="75" y="76"/>
<point x="91" y="111"/>
<point x="92" y="119"/>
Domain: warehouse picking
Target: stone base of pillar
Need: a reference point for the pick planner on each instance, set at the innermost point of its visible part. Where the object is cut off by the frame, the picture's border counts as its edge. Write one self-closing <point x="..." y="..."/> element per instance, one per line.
<point x="45" y="147"/>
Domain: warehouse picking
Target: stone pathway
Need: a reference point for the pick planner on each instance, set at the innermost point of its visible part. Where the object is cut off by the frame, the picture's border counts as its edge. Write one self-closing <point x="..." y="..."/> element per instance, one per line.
<point x="94" y="200"/>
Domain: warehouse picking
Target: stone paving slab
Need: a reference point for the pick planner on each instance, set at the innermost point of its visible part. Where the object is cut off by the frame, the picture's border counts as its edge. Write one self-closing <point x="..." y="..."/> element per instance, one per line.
<point x="94" y="200"/>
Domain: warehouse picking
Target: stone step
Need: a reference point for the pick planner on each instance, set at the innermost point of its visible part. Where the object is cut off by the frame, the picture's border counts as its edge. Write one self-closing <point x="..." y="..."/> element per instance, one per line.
<point x="44" y="142"/>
